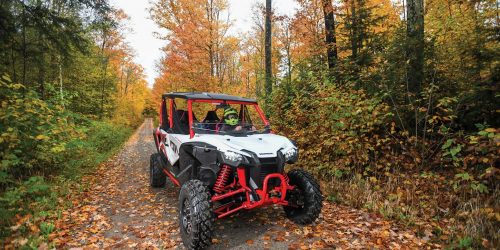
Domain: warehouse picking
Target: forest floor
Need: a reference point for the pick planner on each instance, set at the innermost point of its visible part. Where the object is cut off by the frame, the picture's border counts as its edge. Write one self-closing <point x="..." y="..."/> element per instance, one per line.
<point x="120" y="210"/>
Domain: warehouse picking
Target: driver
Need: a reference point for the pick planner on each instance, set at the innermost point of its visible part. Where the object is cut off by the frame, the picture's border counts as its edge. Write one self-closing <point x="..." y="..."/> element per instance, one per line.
<point x="230" y="120"/>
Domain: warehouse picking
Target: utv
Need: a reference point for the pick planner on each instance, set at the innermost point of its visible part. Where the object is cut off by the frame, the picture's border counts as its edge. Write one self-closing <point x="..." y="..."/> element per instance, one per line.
<point x="228" y="161"/>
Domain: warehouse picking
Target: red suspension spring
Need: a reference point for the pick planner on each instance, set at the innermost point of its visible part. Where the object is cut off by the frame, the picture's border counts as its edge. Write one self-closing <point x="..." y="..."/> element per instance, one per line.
<point x="221" y="181"/>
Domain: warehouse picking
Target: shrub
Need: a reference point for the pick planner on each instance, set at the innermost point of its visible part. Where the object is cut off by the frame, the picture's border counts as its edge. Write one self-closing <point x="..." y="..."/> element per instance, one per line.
<point x="350" y="140"/>
<point x="33" y="134"/>
<point x="41" y="148"/>
<point x="337" y="130"/>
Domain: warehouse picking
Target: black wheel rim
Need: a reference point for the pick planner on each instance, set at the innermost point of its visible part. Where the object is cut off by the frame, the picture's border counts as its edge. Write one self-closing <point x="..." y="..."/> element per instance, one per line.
<point x="186" y="217"/>
<point x="300" y="198"/>
<point x="297" y="198"/>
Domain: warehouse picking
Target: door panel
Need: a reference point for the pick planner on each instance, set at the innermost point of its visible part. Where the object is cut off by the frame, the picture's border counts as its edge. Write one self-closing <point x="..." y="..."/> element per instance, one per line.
<point x="172" y="148"/>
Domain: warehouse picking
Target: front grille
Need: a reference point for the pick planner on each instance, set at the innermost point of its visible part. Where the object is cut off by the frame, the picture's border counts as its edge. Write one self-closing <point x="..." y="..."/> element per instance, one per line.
<point x="259" y="168"/>
<point x="265" y="170"/>
<point x="268" y="161"/>
<point x="268" y="166"/>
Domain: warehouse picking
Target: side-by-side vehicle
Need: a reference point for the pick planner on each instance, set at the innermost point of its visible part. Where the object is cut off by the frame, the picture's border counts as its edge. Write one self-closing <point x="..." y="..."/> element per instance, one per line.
<point x="220" y="150"/>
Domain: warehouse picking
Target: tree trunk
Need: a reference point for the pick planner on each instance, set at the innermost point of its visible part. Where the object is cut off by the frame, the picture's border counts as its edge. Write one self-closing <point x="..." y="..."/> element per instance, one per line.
<point x="13" y="58"/>
<point x="415" y="45"/>
<point x="121" y="79"/>
<point x="210" y="18"/>
<point x="61" y="82"/>
<point x="127" y="78"/>
<point x="330" y="38"/>
<point x="267" y="44"/>
<point x="289" y="64"/>
<point x="24" y="46"/>
<point x="103" y="83"/>
<point x="41" y="66"/>
<point x="104" y="71"/>
<point x="287" y="46"/>
<point x="248" y="84"/>
<point x="354" y="31"/>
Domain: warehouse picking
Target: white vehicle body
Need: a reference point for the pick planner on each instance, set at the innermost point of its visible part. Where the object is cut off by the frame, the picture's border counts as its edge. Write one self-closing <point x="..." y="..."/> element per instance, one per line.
<point x="264" y="145"/>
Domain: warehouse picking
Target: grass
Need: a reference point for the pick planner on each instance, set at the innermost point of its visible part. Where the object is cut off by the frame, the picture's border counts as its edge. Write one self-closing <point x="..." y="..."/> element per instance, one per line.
<point x="27" y="209"/>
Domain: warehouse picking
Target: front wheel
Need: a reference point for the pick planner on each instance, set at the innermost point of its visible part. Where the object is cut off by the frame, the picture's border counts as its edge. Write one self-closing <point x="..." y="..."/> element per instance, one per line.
<point x="195" y="215"/>
<point x="305" y="201"/>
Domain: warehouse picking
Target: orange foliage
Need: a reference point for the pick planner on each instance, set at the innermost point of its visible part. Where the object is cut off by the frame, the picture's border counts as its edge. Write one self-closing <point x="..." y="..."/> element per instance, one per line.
<point x="199" y="55"/>
<point x="130" y="84"/>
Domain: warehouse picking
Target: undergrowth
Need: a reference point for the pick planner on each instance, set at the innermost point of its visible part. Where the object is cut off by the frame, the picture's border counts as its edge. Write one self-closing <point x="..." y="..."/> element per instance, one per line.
<point x="26" y="206"/>
<point x="435" y="211"/>
<point x="443" y="180"/>
<point x="45" y="149"/>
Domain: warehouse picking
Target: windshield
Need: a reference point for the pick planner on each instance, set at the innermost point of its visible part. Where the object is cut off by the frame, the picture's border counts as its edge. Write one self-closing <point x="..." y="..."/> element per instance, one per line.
<point x="220" y="117"/>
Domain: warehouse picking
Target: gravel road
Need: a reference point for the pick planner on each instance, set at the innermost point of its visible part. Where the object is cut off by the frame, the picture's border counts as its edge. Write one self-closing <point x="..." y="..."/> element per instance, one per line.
<point x="119" y="210"/>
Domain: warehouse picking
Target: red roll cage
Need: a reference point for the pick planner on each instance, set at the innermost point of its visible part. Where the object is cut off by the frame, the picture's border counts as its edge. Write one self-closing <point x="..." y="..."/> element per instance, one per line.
<point x="171" y="103"/>
<point x="238" y="186"/>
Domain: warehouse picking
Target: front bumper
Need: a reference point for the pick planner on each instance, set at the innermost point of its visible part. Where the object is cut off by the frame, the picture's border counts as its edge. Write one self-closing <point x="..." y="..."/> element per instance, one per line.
<point x="273" y="191"/>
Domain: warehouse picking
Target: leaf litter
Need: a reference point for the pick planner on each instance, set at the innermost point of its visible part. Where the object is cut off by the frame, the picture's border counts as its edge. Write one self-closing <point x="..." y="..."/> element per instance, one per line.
<point x="120" y="210"/>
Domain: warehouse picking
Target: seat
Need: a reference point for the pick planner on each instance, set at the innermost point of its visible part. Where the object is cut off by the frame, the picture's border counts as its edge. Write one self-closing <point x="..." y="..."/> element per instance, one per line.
<point x="181" y="122"/>
<point x="211" y="120"/>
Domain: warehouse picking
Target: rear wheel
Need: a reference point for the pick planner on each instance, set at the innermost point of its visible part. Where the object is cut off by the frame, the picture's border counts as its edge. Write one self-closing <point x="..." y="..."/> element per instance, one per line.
<point x="157" y="177"/>
<point x="305" y="201"/>
<point x="195" y="215"/>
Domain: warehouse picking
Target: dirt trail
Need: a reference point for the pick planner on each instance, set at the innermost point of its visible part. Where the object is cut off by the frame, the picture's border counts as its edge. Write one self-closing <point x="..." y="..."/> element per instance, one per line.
<point x="120" y="211"/>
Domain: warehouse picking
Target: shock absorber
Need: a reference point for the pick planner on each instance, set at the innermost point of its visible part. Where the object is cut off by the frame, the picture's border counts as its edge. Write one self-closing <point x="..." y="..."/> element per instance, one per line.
<point x="222" y="179"/>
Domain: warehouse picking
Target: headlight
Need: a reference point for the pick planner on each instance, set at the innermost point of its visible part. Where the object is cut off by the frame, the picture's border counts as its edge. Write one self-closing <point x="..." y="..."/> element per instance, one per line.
<point x="232" y="156"/>
<point x="291" y="155"/>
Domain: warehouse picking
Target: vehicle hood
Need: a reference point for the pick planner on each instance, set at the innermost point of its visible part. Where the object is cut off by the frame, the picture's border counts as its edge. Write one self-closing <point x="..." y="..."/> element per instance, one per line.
<point x="264" y="145"/>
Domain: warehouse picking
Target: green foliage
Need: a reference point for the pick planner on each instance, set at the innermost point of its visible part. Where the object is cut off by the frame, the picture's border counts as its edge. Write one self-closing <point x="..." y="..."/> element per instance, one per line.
<point x="35" y="189"/>
<point x="451" y="150"/>
<point x="464" y="243"/>
<point x="101" y="139"/>
<point x="41" y="148"/>
<point x="46" y="228"/>
<point x="40" y="36"/>
<point x="86" y="87"/>
<point x="150" y="109"/>
<point x="370" y="145"/>
<point x="74" y="97"/>
<point x="39" y="195"/>
<point x="33" y="134"/>
<point x="338" y="130"/>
